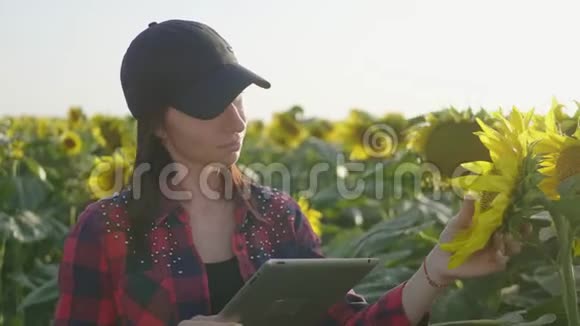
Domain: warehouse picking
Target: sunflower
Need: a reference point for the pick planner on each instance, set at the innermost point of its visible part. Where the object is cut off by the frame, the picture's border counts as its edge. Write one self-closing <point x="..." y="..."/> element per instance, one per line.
<point x="397" y="122"/>
<point x="319" y="128"/>
<point x="311" y="214"/>
<point x="364" y="136"/>
<point x="109" y="174"/>
<point x="254" y="129"/>
<point x="60" y="127"/>
<point x="446" y="139"/>
<point x="494" y="182"/>
<point x="286" y="128"/>
<point x="71" y="143"/>
<point x="42" y="128"/>
<point x="109" y="132"/>
<point x="17" y="149"/>
<point x="560" y="154"/>
<point x="75" y="117"/>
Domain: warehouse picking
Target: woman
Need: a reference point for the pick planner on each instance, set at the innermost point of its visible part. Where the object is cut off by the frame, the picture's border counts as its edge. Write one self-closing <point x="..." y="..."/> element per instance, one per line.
<point x="183" y="238"/>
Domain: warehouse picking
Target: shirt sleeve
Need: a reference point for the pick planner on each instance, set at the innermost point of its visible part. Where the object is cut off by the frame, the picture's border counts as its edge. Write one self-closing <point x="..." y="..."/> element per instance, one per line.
<point x="353" y="310"/>
<point x="84" y="281"/>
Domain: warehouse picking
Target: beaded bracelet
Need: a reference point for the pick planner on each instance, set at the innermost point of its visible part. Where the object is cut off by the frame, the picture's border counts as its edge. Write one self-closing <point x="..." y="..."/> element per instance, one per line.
<point x="431" y="282"/>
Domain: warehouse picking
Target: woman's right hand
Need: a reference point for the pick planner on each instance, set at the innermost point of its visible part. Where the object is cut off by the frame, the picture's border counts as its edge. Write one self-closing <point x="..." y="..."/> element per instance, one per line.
<point x="214" y="320"/>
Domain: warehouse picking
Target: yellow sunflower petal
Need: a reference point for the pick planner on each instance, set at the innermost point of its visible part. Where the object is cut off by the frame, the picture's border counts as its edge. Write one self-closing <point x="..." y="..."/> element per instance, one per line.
<point x="479" y="167"/>
<point x="490" y="183"/>
<point x="548" y="170"/>
<point x="551" y="124"/>
<point x="490" y="132"/>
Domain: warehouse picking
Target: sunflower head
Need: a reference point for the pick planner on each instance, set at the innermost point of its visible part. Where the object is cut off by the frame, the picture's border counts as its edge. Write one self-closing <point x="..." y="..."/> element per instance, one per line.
<point x="111" y="132"/>
<point x="286" y="129"/>
<point x="559" y="153"/>
<point x="75" y="117"/>
<point x="313" y="216"/>
<point x="446" y="139"/>
<point x="16" y="149"/>
<point x="364" y="136"/>
<point x="71" y="143"/>
<point x="319" y="128"/>
<point x="396" y="121"/>
<point x="42" y="128"/>
<point x="255" y="129"/>
<point x="109" y="174"/>
<point x="494" y="183"/>
<point x="60" y="127"/>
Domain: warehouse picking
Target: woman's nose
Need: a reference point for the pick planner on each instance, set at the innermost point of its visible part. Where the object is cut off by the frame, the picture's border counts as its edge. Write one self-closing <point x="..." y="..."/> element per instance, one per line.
<point x="234" y="119"/>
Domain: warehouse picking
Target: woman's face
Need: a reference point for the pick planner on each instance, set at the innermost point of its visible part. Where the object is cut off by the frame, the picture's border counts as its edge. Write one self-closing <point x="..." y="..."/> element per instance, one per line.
<point x="191" y="140"/>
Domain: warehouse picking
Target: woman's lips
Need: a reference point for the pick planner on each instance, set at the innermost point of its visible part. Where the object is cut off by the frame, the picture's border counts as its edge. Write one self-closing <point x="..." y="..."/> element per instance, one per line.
<point x="233" y="146"/>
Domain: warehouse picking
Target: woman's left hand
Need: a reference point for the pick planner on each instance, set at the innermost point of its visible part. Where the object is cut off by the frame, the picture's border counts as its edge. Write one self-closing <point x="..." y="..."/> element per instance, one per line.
<point x="493" y="258"/>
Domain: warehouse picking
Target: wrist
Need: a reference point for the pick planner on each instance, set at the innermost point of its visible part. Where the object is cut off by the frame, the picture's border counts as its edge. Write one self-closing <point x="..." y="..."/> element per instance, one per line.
<point x="435" y="270"/>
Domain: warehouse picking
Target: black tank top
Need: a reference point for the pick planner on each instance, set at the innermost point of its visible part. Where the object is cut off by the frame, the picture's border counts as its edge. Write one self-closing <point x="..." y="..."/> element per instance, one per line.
<point x="224" y="280"/>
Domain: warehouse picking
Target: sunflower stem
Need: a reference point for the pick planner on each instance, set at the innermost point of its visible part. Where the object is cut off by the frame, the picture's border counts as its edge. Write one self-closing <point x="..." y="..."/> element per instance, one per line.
<point x="566" y="269"/>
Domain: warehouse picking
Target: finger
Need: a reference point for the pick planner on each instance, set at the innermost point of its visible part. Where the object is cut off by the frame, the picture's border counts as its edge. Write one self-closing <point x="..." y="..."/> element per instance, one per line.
<point x="466" y="211"/>
<point x="498" y="243"/>
<point x="501" y="261"/>
<point x="496" y="262"/>
<point x="513" y="247"/>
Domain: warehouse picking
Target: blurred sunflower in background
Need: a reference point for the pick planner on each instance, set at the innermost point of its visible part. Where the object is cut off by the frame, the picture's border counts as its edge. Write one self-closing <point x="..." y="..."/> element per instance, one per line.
<point x="16" y="149"/>
<point x="559" y="153"/>
<point x="75" y="117"/>
<point x="398" y="124"/>
<point x="494" y="183"/>
<point x="319" y="128"/>
<point x="22" y="127"/>
<point x="446" y="139"/>
<point x="109" y="174"/>
<point x="60" y="127"/>
<point x="110" y="132"/>
<point x="42" y="128"/>
<point x="365" y="137"/>
<point x="313" y="216"/>
<point x="286" y="129"/>
<point x="254" y="129"/>
<point x="71" y="143"/>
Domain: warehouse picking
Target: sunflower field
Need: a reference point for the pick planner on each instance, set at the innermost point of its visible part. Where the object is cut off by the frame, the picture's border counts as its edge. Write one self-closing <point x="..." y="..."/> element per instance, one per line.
<point x="382" y="186"/>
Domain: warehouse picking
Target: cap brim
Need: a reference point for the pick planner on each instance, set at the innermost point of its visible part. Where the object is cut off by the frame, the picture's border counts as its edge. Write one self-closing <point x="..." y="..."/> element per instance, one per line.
<point x="208" y="99"/>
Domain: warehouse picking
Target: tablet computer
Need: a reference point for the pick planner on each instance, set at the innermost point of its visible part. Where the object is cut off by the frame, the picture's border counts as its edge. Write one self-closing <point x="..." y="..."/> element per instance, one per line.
<point x="295" y="291"/>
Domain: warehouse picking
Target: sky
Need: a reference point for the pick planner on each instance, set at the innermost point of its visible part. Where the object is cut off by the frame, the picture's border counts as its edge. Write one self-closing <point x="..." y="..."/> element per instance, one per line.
<point x="327" y="56"/>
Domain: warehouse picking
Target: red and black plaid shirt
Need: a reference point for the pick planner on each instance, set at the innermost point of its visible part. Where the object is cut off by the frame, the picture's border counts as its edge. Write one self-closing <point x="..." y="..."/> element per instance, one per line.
<point x="102" y="282"/>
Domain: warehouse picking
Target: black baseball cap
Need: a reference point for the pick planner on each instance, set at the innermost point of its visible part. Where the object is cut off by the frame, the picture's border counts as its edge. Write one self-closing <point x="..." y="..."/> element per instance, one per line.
<point x="185" y="64"/>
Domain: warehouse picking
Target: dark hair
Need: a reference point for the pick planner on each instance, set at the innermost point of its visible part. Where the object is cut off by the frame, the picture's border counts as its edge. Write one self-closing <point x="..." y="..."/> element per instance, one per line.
<point x="144" y="208"/>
